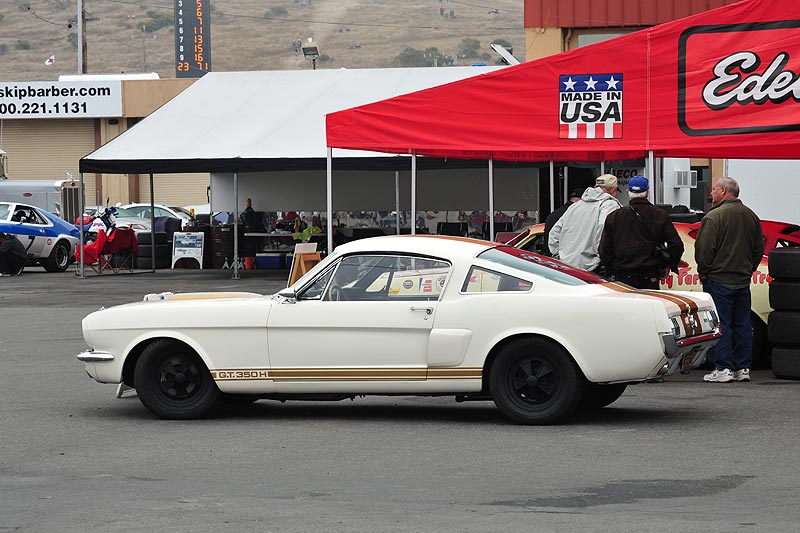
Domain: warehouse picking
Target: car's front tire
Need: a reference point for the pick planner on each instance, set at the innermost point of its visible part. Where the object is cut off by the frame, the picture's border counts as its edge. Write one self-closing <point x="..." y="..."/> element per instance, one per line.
<point x="59" y="258"/>
<point x="535" y="381"/>
<point x="173" y="382"/>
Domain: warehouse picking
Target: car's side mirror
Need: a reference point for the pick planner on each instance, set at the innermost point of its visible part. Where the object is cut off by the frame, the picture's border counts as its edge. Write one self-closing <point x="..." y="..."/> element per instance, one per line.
<point x="287" y="295"/>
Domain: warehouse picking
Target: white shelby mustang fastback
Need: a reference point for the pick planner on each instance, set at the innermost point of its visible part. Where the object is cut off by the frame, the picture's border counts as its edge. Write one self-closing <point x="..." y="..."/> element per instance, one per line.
<point x="405" y="315"/>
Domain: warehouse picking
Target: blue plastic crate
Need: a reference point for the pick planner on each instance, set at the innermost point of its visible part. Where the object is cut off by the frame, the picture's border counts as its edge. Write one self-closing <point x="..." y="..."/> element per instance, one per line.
<point x="269" y="261"/>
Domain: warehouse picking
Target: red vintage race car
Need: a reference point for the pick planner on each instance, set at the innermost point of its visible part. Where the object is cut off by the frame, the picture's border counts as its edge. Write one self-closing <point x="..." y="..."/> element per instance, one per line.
<point x="776" y="234"/>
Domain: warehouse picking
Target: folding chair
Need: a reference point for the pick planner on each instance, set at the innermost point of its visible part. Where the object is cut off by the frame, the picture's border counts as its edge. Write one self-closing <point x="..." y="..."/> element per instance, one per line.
<point x="115" y="252"/>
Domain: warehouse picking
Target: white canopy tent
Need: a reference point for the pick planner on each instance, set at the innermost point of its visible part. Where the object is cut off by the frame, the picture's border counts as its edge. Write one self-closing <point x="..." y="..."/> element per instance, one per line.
<point x="234" y="122"/>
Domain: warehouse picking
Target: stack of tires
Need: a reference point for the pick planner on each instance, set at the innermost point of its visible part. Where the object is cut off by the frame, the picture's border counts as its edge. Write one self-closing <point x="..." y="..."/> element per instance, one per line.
<point x="163" y="251"/>
<point x="784" y="321"/>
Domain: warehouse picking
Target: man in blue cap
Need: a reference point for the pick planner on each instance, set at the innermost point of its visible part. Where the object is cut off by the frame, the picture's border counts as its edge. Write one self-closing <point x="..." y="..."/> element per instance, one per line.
<point x="631" y="239"/>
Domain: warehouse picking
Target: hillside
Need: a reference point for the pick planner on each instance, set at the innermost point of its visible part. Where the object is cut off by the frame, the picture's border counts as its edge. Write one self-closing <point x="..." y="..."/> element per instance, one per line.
<point x="254" y="34"/>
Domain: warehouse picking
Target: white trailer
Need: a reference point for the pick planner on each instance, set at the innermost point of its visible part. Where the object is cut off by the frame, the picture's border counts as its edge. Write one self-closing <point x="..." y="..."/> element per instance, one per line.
<point x="60" y="197"/>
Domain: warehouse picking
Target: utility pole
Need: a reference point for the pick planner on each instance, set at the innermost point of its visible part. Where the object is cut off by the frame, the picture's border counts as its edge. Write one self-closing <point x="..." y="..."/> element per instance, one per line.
<point x="82" y="66"/>
<point x="144" y="49"/>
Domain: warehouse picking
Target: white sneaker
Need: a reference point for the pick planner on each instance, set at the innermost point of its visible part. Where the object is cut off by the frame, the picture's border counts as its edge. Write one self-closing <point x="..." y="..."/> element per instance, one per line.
<point x="720" y="375"/>
<point x="742" y="375"/>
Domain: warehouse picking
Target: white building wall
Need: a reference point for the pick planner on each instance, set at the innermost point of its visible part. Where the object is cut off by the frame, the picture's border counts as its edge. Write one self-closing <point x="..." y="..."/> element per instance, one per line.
<point x="770" y="188"/>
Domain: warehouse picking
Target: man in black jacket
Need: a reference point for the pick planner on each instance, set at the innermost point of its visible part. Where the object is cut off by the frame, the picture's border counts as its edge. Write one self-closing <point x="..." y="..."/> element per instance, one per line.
<point x="12" y="255"/>
<point x="630" y="235"/>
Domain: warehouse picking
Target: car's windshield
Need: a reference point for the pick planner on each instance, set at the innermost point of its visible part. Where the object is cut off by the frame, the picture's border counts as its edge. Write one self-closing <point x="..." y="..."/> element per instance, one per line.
<point x="4" y="211"/>
<point x="545" y="267"/>
<point x="181" y="212"/>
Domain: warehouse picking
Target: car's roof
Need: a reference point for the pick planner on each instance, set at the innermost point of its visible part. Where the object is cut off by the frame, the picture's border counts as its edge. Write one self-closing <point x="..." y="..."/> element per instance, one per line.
<point x="432" y="245"/>
<point x="145" y="204"/>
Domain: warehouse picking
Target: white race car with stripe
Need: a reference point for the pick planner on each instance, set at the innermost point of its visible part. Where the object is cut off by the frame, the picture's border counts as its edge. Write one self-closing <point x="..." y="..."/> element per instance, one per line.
<point x="414" y="315"/>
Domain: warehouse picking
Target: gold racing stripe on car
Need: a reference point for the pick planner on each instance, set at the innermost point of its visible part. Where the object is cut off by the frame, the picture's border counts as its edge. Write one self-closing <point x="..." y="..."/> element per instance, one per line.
<point x="455" y="373"/>
<point x="683" y="302"/>
<point x="345" y="374"/>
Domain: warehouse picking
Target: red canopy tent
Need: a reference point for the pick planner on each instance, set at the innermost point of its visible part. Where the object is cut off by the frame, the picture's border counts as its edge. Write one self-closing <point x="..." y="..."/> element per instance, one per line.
<point x="722" y="84"/>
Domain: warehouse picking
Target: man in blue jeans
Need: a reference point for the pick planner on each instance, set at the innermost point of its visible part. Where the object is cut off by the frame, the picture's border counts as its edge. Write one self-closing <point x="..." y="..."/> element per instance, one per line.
<point x="728" y="249"/>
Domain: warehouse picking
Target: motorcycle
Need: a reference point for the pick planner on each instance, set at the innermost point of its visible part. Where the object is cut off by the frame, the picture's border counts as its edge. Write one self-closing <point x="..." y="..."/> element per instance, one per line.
<point x="92" y="224"/>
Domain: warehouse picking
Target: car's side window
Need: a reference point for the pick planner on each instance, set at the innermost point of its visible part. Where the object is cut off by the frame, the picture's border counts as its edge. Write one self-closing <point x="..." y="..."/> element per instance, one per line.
<point x="28" y="216"/>
<point x="317" y="287"/>
<point x="535" y="245"/>
<point x="387" y="278"/>
<point x="484" y="280"/>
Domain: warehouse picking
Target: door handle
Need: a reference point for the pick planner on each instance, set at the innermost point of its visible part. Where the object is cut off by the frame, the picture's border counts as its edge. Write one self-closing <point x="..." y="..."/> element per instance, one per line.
<point x="428" y="310"/>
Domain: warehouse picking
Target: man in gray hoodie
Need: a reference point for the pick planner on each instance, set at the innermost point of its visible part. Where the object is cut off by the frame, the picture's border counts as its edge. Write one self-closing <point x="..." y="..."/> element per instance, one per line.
<point x="575" y="239"/>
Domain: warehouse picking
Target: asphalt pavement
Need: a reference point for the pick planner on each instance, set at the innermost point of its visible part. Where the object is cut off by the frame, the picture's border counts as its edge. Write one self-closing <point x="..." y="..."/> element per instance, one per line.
<point x="681" y="455"/>
<point x="37" y="288"/>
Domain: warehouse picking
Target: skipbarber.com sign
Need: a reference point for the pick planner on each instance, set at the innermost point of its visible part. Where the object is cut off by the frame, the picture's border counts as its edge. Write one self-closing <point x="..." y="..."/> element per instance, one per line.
<point x="73" y="99"/>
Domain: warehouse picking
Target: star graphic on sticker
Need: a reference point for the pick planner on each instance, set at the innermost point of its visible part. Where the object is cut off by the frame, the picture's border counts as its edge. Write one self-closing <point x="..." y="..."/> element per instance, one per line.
<point x="612" y="83"/>
<point x="590" y="83"/>
<point x="570" y="85"/>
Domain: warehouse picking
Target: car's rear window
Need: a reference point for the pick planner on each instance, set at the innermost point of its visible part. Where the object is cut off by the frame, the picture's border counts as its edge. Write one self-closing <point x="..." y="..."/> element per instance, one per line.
<point x="546" y="267"/>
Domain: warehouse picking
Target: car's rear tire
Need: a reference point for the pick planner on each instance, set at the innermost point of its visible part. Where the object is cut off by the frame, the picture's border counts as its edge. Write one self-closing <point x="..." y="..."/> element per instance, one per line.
<point x="535" y="381"/>
<point x="597" y="396"/>
<point x="762" y="348"/>
<point x="59" y="258"/>
<point x="173" y="382"/>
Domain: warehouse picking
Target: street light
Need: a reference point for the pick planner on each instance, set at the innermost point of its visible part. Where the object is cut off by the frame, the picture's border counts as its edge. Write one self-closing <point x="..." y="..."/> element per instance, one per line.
<point x="311" y="51"/>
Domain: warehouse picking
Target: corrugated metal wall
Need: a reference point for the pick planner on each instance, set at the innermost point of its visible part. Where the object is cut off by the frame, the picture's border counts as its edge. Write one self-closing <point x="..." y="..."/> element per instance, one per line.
<point x="611" y="13"/>
<point x="48" y="149"/>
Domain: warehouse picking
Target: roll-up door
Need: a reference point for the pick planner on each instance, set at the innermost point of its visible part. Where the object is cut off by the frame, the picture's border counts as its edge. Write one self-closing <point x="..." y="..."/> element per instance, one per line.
<point x="48" y="149"/>
<point x="175" y="189"/>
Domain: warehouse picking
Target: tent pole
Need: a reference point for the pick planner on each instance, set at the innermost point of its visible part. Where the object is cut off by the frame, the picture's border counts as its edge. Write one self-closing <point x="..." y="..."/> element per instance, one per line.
<point x="552" y="186"/>
<point x="564" y="193"/>
<point x="397" y="201"/>
<point x="153" y="227"/>
<point x="235" y="226"/>
<point x="329" y="199"/>
<point x="80" y="272"/>
<point x="491" y="197"/>
<point x="651" y="173"/>
<point x="602" y="167"/>
<point x="413" y="192"/>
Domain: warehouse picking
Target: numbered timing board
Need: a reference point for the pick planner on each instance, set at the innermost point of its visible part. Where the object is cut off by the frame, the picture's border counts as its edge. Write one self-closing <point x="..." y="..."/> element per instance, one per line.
<point x="192" y="38"/>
